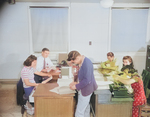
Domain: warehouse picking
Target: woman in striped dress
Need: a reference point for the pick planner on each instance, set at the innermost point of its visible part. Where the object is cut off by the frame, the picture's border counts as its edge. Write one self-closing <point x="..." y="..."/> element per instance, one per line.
<point x="27" y="74"/>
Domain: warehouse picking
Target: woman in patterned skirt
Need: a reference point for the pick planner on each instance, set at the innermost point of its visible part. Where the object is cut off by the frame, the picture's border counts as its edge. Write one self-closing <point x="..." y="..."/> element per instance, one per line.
<point x="136" y="83"/>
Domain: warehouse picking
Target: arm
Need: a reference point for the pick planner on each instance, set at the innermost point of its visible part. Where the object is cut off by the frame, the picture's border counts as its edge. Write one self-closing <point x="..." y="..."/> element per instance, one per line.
<point x="87" y="71"/>
<point x="42" y="74"/>
<point x="27" y="83"/>
<point x="125" y="81"/>
<point x="44" y="70"/>
<point x="73" y="85"/>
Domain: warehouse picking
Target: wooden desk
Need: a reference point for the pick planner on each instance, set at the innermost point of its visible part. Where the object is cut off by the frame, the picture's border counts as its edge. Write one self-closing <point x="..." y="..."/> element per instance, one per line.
<point x="49" y="104"/>
<point x="55" y="75"/>
<point x="115" y="107"/>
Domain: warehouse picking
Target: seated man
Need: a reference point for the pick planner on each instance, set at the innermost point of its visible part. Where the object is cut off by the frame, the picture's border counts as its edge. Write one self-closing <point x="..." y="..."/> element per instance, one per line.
<point x="44" y="64"/>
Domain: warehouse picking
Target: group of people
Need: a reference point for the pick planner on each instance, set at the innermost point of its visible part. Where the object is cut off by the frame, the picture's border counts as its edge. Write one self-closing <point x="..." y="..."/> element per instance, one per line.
<point x="135" y="81"/>
<point x="84" y="81"/>
<point x="35" y="71"/>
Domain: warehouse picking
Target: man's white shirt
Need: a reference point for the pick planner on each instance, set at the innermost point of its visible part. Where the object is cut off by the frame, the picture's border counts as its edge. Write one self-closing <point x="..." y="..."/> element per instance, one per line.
<point x="40" y="63"/>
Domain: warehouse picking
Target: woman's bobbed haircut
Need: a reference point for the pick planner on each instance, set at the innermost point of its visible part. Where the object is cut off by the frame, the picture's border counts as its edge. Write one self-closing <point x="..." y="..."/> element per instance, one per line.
<point x="29" y="60"/>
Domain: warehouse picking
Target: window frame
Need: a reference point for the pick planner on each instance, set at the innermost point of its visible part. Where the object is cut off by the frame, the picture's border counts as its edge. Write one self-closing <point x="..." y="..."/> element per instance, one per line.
<point x="129" y="6"/>
<point x="53" y="55"/>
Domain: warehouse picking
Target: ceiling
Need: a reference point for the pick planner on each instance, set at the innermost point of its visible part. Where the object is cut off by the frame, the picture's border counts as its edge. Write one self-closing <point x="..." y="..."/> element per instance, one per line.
<point x="86" y="1"/>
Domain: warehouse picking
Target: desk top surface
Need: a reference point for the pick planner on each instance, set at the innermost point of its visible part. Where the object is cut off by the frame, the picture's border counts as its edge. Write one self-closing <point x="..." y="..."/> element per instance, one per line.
<point x="43" y="91"/>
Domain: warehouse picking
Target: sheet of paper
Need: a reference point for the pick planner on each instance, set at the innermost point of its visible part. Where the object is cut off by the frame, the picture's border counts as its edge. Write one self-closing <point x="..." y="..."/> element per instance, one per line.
<point x="62" y="90"/>
<point x="65" y="77"/>
<point x="47" y="80"/>
<point x="55" y="90"/>
<point x="66" y="90"/>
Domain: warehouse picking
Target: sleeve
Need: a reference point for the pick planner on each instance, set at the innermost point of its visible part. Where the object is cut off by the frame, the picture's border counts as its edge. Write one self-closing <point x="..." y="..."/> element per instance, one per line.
<point x="87" y="74"/>
<point x="39" y="65"/>
<point x="25" y="75"/>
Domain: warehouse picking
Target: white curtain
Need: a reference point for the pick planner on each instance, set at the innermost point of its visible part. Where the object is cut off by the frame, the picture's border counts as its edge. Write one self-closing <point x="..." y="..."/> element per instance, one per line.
<point x="129" y="28"/>
<point x="49" y="29"/>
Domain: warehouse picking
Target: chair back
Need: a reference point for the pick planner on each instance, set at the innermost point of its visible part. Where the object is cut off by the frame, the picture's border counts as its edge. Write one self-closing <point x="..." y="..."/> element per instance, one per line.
<point x="146" y="79"/>
<point x="20" y="93"/>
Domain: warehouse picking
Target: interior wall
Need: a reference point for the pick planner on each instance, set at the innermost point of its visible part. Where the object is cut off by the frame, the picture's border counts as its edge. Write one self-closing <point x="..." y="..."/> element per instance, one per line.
<point x="88" y="22"/>
<point x="14" y="39"/>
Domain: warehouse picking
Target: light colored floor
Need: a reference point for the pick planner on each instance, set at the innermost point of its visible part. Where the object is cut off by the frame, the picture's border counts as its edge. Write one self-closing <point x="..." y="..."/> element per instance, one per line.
<point x="8" y="105"/>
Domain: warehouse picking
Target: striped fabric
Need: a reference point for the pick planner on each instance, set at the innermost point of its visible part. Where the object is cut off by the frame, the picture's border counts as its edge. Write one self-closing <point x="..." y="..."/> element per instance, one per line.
<point x="27" y="73"/>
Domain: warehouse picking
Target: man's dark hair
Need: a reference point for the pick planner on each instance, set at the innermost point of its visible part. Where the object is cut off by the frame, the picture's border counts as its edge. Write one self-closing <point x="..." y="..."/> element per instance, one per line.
<point x="73" y="55"/>
<point x="45" y="49"/>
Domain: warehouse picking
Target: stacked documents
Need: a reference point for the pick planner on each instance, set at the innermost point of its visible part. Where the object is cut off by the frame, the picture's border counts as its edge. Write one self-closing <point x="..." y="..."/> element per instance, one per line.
<point x="63" y="87"/>
<point x="63" y="90"/>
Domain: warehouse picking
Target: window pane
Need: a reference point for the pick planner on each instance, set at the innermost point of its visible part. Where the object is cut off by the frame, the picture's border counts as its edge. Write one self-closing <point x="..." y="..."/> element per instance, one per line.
<point x="49" y="29"/>
<point x="129" y="29"/>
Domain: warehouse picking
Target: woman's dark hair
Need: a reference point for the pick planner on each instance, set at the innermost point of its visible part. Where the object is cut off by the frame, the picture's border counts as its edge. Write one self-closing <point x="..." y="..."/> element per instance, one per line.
<point x="129" y="59"/>
<point x="29" y="60"/>
<point x="73" y="55"/>
<point x="110" y="54"/>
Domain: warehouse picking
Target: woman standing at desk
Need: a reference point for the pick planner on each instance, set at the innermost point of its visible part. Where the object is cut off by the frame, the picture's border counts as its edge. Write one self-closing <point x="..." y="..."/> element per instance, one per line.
<point x="136" y="83"/>
<point x="86" y="85"/>
<point x="27" y="74"/>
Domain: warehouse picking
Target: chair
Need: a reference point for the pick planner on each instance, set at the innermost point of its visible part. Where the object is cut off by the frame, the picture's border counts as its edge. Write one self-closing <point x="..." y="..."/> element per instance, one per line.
<point x="144" y="111"/>
<point x="146" y="79"/>
<point x="21" y="100"/>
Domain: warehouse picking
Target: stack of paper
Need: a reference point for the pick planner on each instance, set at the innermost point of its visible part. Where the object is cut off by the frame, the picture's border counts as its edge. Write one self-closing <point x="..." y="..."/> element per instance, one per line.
<point x="64" y="82"/>
<point x="63" y="87"/>
<point x="63" y="90"/>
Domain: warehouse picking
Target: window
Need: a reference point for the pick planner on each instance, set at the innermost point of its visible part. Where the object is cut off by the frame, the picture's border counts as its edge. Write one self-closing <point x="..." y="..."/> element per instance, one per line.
<point x="129" y="29"/>
<point x="49" y="27"/>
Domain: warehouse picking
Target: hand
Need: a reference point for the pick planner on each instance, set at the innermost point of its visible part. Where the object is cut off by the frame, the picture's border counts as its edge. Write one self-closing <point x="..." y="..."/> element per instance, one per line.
<point x="36" y="86"/>
<point x="49" y="69"/>
<point x="73" y="87"/>
<point x="115" y="77"/>
<point x="49" y="75"/>
<point x="73" y="83"/>
<point x="44" y="70"/>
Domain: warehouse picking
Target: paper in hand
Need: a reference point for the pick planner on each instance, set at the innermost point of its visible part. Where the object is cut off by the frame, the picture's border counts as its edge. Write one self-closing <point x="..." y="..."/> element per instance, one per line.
<point x="62" y="90"/>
